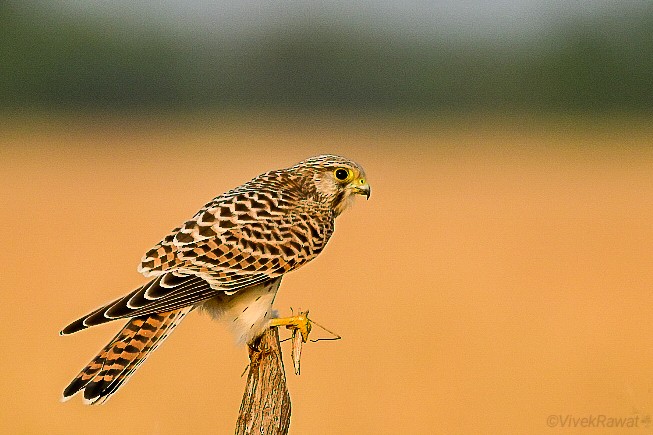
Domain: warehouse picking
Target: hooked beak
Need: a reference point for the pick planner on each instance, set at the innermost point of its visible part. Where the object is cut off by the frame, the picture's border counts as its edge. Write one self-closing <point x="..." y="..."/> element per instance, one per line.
<point x="363" y="190"/>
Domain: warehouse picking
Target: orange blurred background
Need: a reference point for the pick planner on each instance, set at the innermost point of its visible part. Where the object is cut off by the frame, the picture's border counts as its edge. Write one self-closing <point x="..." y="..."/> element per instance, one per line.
<point x="500" y="273"/>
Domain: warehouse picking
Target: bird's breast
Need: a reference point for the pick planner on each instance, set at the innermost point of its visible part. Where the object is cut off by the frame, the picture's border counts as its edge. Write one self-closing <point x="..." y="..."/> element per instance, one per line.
<point x="246" y="312"/>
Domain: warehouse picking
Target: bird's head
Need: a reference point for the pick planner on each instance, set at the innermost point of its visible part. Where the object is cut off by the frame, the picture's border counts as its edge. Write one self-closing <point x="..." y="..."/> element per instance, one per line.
<point x="334" y="180"/>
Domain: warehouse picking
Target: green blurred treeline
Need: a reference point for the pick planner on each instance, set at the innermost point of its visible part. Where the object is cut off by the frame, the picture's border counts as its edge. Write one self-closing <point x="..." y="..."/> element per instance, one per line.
<point x="55" y="62"/>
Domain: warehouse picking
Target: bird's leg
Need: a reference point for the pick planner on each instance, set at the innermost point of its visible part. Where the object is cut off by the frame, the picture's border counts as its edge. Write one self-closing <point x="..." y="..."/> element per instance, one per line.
<point x="300" y="323"/>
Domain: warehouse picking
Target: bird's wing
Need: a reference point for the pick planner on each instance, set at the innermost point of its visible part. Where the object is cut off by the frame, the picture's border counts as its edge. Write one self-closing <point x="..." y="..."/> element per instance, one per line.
<point x="242" y="238"/>
<point x="241" y="256"/>
<point x="167" y="292"/>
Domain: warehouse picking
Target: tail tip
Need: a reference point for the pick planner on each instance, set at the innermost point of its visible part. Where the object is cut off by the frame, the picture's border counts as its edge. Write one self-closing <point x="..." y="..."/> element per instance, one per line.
<point x="86" y="401"/>
<point x="92" y="401"/>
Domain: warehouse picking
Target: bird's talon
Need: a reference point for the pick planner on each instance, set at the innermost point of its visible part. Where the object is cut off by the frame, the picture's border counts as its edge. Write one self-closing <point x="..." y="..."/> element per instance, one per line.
<point x="300" y="323"/>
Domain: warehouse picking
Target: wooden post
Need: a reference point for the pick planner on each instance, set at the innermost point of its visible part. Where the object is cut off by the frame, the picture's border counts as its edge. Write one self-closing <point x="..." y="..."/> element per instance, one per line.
<point x="265" y="408"/>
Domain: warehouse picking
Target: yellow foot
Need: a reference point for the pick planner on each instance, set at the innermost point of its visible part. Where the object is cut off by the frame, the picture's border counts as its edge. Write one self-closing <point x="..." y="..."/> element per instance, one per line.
<point x="300" y="323"/>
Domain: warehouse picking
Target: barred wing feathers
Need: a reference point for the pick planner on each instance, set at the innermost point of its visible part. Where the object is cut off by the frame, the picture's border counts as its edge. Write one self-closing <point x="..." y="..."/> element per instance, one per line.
<point x="244" y="237"/>
<point x="164" y="293"/>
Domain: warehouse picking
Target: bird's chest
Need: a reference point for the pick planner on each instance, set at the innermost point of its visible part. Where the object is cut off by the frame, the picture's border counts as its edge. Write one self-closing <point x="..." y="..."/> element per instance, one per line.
<point x="246" y="312"/>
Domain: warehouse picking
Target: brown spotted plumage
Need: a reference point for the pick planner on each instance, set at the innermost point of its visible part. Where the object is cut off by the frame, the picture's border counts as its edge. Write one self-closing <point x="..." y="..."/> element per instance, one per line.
<point x="228" y="260"/>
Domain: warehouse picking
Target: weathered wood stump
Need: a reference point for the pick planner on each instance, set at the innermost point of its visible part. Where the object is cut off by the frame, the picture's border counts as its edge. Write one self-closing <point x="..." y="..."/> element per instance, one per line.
<point x="265" y="408"/>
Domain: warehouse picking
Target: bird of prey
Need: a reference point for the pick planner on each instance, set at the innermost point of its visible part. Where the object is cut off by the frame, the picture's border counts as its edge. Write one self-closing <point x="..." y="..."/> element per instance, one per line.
<point x="227" y="260"/>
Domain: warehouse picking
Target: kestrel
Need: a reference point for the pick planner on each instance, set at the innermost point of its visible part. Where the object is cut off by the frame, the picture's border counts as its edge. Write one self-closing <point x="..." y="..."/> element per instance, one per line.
<point x="228" y="260"/>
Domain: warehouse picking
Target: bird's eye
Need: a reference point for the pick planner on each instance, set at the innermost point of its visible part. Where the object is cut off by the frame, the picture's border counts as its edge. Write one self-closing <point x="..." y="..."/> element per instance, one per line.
<point x="343" y="174"/>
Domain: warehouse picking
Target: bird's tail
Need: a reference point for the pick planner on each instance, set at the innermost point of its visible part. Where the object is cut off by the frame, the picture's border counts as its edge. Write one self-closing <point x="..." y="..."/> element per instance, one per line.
<point x="119" y="359"/>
